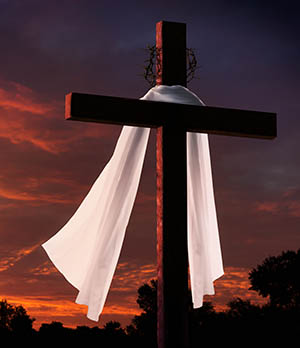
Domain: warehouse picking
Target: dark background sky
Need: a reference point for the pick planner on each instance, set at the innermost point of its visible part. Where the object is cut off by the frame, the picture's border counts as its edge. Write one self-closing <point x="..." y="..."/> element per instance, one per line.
<point x="248" y="54"/>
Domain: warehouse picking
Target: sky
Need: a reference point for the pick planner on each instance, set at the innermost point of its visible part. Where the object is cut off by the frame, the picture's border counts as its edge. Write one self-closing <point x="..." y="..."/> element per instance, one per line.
<point x="248" y="56"/>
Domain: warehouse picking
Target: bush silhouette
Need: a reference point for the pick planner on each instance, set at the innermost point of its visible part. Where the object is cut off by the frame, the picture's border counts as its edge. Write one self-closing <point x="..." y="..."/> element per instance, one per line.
<point x="14" y="319"/>
<point x="278" y="278"/>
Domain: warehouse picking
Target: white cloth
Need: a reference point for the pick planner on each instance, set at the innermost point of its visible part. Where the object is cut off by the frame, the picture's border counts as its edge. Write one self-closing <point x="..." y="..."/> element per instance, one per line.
<point x="86" y="250"/>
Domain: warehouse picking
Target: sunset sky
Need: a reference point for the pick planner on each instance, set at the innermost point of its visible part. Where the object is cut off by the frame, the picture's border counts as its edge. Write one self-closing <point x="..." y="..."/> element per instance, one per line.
<point x="248" y="54"/>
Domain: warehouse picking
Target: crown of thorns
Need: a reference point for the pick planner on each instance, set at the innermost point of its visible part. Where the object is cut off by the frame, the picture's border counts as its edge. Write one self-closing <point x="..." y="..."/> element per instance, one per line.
<point x="149" y="68"/>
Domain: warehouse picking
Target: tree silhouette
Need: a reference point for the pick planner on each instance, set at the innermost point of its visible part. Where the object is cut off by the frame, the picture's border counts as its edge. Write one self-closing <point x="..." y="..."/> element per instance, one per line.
<point x="147" y="297"/>
<point x="278" y="278"/>
<point x="21" y="323"/>
<point x="6" y="313"/>
<point x="53" y="327"/>
<point x="113" y="334"/>
<point x="142" y="330"/>
<point x="113" y="328"/>
<point x="15" y="320"/>
<point x="243" y="309"/>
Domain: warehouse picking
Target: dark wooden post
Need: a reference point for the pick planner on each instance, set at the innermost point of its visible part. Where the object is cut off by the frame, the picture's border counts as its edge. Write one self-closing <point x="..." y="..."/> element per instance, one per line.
<point x="172" y="256"/>
<point x="171" y="53"/>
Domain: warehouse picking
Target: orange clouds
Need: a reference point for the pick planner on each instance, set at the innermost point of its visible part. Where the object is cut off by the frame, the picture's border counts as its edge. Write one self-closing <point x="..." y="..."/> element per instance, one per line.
<point x="269" y="207"/>
<point x="15" y="256"/>
<point x="143" y="198"/>
<point x="120" y="305"/>
<point x="290" y="207"/>
<point x="129" y="276"/>
<point x="234" y="283"/>
<point x="287" y="203"/>
<point x="35" y="191"/>
<point x="18" y="105"/>
<point x="18" y="97"/>
<point x="46" y="310"/>
<point x="24" y="117"/>
<point x="294" y="208"/>
<point x="38" y="197"/>
<point x="46" y="268"/>
<point x="121" y="302"/>
<point x="19" y="128"/>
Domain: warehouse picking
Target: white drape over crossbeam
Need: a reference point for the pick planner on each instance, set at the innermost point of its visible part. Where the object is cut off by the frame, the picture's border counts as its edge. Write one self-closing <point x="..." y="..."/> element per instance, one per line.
<point x="86" y="250"/>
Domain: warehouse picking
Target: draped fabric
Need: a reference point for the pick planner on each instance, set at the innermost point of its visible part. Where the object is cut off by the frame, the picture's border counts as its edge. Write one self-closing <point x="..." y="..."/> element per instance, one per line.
<point x="86" y="250"/>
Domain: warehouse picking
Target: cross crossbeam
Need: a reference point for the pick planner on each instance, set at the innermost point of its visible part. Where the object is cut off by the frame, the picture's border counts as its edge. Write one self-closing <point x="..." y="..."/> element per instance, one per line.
<point x="145" y="113"/>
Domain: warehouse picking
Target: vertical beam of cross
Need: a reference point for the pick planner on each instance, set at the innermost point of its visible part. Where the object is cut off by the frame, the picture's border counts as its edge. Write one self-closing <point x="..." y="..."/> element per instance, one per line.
<point x="172" y="256"/>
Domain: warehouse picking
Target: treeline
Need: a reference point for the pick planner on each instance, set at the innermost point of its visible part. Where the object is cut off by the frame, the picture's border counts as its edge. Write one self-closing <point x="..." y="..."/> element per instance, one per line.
<point x="243" y="323"/>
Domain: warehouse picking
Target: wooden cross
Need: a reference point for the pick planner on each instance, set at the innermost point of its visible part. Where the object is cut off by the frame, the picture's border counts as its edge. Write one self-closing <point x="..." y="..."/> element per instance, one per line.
<point x="172" y="121"/>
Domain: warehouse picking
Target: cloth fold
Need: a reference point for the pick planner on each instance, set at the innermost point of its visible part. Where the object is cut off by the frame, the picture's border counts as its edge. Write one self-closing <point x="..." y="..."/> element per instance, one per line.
<point x="87" y="248"/>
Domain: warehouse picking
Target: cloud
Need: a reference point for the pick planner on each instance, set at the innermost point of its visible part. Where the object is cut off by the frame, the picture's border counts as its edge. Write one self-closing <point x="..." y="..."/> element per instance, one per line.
<point x="50" y="304"/>
<point x="130" y="276"/>
<point x="144" y="198"/>
<point x="20" y="116"/>
<point x="35" y="189"/>
<point x="9" y="261"/>
<point x="121" y="302"/>
<point x="18" y="97"/>
<point x="25" y="118"/>
<point x="287" y="203"/>
<point x="37" y="197"/>
<point x="45" y="269"/>
<point x="294" y="208"/>
<point x="46" y="309"/>
<point x="269" y="207"/>
<point x="234" y="283"/>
